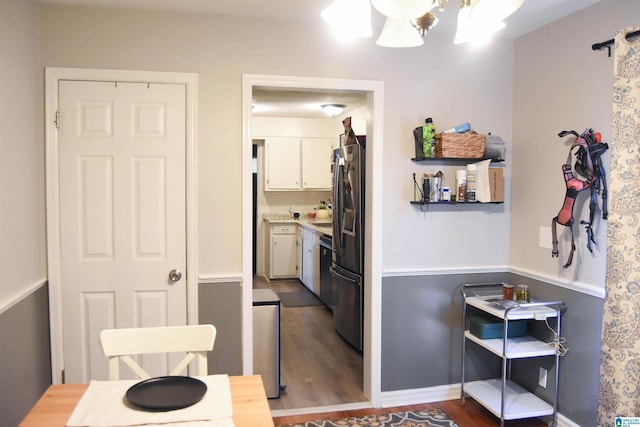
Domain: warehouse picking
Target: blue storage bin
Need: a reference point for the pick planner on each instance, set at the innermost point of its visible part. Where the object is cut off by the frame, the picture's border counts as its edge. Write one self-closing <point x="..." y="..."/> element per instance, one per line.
<point x="487" y="328"/>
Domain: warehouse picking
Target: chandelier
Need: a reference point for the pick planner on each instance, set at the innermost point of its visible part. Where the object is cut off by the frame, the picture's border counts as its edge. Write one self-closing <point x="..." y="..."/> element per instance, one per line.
<point x="408" y="21"/>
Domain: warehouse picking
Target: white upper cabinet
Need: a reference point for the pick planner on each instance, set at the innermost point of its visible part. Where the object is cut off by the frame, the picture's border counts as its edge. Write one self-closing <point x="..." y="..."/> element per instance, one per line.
<point x="293" y="164"/>
<point x="282" y="164"/>
<point x="316" y="163"/>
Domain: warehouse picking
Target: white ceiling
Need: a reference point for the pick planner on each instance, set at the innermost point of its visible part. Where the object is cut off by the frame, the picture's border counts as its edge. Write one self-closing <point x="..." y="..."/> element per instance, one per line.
<point x="532" y="15"/>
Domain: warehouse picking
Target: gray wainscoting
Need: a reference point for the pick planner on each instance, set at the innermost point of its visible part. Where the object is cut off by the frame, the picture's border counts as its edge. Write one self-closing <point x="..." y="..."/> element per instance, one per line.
<point x="25" y="371"/>
<point x="422" y="332"/>
<point x="219" y="304"/>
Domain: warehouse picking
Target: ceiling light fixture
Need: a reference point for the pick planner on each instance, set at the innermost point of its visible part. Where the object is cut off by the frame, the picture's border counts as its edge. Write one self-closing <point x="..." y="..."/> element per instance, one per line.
<point x="494" y="10"/>
<point x="478" y="27"/>
<point x="333" y="109"/>
<point x="403" y="9"/>
<point x="477" y="19"/>
<point x="399" y="33"/>
<point x="349" y="18"/>
<point x="424" y="23"/>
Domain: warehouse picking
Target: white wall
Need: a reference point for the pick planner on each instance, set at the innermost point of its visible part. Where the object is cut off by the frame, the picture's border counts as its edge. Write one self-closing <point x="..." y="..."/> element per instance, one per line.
<point x="451" y="83"/>
<point x="560" y="83"/>
<point x="22" y="261"/>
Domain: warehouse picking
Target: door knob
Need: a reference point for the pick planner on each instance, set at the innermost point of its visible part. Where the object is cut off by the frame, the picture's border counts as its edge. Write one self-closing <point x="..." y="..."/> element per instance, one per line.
<point x="175" y="275"/>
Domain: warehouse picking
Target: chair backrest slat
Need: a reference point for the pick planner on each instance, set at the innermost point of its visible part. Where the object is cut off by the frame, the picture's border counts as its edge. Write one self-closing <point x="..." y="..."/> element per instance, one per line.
<point x="196" y="340"/>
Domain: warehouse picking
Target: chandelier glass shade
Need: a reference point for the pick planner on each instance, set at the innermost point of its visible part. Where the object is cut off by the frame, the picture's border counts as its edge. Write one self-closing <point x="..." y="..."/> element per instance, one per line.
<point x="349" y="18"/>
<point x="403" y="9"/>
<point x="399" y="33"/>
<point x="494" y="10"/>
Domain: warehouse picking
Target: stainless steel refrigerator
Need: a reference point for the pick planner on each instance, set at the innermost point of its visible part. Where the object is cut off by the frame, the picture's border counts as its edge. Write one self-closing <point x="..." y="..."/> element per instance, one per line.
<point x="347" y="266"/>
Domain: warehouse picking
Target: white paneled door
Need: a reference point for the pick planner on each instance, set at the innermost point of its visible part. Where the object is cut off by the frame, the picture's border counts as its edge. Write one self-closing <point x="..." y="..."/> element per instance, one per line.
<point x="122" y="215"/>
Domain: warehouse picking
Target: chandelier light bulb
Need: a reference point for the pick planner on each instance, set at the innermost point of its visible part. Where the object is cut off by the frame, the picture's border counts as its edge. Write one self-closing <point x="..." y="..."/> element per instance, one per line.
<point x="403" y="9"/>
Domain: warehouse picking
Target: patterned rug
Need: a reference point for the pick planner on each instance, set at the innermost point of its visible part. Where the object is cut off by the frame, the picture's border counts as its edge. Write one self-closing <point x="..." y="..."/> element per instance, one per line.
<point x="423" y="418"/>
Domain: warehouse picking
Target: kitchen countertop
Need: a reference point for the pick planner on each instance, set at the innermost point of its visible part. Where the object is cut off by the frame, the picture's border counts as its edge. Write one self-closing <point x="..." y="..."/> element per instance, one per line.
<point x="322" y="226"/>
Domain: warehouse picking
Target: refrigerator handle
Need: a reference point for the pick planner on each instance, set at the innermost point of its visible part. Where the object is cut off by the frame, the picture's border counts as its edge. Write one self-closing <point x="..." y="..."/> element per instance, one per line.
<point x="337" y="206"/>
<point x="348" y="279"/>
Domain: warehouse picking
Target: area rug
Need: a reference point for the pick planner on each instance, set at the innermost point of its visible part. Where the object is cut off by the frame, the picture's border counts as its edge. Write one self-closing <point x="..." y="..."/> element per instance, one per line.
<point x="423" y="418"/>
<point x="301" y="298"/>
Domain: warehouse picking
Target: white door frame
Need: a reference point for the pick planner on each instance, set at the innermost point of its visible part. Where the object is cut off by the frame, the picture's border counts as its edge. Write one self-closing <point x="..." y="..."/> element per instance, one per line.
<point x="52" y="76"/>
<point x="373" y="215"/>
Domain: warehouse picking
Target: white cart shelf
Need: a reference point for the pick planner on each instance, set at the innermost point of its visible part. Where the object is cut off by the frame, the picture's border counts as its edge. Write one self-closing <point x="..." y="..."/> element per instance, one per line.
<point x="519" y="402"/>
<point x="503" y="397"/>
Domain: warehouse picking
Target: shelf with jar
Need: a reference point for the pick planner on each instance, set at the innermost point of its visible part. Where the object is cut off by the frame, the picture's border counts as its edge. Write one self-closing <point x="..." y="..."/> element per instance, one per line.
<point x="477" y="184"/>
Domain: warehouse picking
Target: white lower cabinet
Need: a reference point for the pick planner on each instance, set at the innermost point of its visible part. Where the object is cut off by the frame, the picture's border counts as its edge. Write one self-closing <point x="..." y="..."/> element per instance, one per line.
<point x="503" y="397"/>
<point x="311" y="260"/>
<point x="283" y="254"/>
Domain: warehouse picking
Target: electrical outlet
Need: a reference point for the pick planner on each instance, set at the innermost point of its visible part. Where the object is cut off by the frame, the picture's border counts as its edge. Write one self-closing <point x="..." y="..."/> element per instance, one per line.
<point x="544" y="238"/>
<point x="542" y="378"/>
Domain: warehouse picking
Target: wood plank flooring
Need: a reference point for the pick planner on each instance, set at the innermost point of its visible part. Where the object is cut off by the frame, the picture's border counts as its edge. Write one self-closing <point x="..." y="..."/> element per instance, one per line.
<point x="318" y="367"/>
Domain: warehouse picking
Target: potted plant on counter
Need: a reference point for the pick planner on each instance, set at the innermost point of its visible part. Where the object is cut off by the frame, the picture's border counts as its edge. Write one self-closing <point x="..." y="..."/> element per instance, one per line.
<point x="322" y="211"/>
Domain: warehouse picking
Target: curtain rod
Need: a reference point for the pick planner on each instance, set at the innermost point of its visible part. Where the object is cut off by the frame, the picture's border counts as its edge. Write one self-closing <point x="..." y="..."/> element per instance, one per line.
<point x="608" y="43"/>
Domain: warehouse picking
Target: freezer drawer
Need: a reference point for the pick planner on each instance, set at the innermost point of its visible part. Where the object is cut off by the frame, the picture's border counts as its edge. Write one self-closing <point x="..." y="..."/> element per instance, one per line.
<point x="347" y="305"/>
<point x="266" y="340"/>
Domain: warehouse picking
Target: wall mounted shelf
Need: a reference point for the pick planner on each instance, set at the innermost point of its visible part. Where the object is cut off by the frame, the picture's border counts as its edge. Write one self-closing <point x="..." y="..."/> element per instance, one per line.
<point x="422" y="203"/>
<point x="450" y="160"/>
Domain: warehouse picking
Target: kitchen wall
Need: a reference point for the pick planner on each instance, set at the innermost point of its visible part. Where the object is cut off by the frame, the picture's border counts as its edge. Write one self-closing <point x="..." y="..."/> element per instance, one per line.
<point x="24" y="323"/>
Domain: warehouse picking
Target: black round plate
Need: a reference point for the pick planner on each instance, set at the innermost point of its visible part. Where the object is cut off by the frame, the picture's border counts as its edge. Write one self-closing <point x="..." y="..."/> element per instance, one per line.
<point x="166" y="393"/>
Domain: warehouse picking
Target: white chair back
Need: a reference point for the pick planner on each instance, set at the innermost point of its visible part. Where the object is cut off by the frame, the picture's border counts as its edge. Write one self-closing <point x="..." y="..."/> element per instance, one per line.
<point x="121" y="344"/>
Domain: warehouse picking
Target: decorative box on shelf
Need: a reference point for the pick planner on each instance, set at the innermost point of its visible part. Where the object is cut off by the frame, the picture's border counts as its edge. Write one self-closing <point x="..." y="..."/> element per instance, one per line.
<point x="460" y="145"/>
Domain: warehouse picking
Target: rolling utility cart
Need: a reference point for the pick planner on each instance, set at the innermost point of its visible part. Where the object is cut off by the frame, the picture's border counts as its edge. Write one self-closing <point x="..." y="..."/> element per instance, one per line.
<point x="500" y="327"/>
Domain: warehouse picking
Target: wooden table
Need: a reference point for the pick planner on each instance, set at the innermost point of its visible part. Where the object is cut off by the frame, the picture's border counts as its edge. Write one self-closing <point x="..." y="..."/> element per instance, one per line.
<point x="248" y="398"/>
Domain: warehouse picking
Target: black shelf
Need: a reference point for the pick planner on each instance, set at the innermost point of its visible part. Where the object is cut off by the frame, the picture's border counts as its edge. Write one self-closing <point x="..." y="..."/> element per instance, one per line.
<point x="422" y="203"/>
<point x="450" y="159"/>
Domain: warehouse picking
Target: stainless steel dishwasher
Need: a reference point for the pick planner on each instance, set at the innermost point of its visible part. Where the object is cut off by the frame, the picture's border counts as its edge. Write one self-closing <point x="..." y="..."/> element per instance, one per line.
<point x="326" y="284"/>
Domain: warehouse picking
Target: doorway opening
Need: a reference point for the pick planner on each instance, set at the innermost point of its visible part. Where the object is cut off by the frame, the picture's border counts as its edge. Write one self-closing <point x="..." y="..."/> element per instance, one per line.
<point x="373" y="91"/>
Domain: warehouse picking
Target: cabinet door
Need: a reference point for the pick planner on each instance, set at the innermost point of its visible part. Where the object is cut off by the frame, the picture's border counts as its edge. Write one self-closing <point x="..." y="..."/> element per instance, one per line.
<point x="282" y="164"/>
<point x="316" y="163"/>
<point x="283" y="255"/>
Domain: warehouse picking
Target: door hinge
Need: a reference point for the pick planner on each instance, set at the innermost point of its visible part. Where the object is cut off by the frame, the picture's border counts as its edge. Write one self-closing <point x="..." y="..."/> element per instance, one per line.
<point x="62" y="378"/>
<point x="57" y="119"/>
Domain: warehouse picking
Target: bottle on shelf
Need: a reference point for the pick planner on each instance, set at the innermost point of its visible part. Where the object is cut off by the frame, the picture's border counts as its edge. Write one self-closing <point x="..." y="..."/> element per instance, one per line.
<point x="428" y="138"/>
<point x="461" y="185"/>
<point x="472" y="171"/>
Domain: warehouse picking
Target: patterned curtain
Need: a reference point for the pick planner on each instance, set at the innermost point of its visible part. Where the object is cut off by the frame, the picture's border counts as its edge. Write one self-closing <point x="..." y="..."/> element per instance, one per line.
<point x="619" y="394"/>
